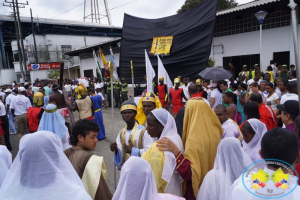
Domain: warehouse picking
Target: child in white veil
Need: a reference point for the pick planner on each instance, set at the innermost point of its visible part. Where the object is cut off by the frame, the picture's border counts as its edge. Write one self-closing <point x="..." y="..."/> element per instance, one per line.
<point x="230" y="162"/>
<point x="137" y="182"/>
<point x="253" y="130"/>
<point x="41" y="171"/>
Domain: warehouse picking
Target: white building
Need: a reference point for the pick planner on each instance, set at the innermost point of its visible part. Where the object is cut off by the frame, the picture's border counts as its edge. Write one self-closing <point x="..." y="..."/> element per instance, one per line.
<point x="53" y="38"/>
<point x="237" y="37"/>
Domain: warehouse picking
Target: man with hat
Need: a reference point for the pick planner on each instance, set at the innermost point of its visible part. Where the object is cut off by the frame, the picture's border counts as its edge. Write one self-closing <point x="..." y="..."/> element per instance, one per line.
<point x="256" y="67"/>
<point x="34" y="114"/>
<point x="19" y="106"/>
<point x="176" y="95"/>
<point x="129" y="141"/>
<point x="147" y="103"/>
<point x="124" y="90"/>
<point x="162" y="90"/>
<point x="283" y="74"/>
<point x="289" y="112"/>
<point x="201" y="92"/>
<point x="52" y="121"/>
<point x="98" y="90"/>
<point x="60" y="102"/>
<point x="108" y="91"/>
<point x="83" y="104"/>
<point x="245" y="73"/>
<point x="117" y="90"/>
<point x="11" y="119"/>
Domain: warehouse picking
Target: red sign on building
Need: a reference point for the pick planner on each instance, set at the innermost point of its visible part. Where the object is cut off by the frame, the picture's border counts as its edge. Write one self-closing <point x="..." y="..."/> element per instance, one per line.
<point x="43" y="66"/>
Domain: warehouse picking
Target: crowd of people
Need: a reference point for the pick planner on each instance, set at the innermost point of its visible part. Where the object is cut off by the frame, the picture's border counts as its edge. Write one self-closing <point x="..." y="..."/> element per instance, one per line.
<point x="192" y="141"/>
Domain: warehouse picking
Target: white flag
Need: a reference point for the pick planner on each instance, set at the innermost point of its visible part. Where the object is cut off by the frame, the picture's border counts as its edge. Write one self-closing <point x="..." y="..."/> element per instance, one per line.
<point x="162" y="72"/>
<point x="149" y="72"/>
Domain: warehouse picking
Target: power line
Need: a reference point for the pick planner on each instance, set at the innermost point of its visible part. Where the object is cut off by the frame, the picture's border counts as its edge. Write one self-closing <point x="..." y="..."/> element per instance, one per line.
<point x="90" y="0"/>
<point x="69" y="9"/>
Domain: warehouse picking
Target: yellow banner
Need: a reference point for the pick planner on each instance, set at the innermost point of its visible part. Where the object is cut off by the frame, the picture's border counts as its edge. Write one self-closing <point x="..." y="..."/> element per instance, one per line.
<point x="162" y="45"/>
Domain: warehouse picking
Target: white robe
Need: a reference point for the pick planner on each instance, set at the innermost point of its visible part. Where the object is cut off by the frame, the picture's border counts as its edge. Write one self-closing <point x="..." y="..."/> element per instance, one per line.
<point x="147" y="142"/>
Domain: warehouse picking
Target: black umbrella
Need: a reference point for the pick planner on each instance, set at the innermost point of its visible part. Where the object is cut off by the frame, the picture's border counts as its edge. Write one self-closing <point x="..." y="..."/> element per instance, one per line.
<point x="215" y="74"/>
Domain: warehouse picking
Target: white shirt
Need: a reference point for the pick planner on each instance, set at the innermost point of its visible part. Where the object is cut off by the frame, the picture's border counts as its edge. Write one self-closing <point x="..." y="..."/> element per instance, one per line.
<point x="271" y="101"/>
<point x="22" y="80"/>
<point x="185" y="92"/>
<point x="74" y="87"/>
<point x="20" y="104"/>
<point x="208" y="94"/>
<point x="9" y="98"/>
<point x="288" y="96"/>
<point x="2" y="109"/>
<point x="274" y="68"/>
<point x="35" y="89"/>
<point x="252" y="81"/>
<point x="2" y="94"/>
<point x="100" y="94"/>
<point x="217" y="96"/>
<point x="68" y="88"/>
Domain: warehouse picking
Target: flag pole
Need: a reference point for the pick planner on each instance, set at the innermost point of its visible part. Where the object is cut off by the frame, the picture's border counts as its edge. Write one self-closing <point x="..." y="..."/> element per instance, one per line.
<point x="110" y="67"/>
<point x="132" y="79"/>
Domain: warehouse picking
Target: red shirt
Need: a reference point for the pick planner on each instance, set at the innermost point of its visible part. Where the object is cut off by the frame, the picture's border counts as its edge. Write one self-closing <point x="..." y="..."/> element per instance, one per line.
<point x="161" y="91"/>
<point x="267" y="116"/>
<point x="33" y="116"/>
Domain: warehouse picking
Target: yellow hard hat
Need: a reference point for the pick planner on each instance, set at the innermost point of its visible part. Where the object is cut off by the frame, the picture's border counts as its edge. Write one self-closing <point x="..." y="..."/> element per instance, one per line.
<point x="198" y="81"/>
<point x="38" y="98"/>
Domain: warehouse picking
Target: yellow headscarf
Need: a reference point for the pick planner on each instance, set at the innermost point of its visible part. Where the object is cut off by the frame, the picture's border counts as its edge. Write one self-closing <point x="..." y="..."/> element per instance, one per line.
<point x="202" y="133"/>
<point x="149" y="96"/>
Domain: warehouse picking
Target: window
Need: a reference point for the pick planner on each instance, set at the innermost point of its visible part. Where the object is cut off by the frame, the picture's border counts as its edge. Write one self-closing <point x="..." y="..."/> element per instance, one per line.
<point x="65" y="49"/>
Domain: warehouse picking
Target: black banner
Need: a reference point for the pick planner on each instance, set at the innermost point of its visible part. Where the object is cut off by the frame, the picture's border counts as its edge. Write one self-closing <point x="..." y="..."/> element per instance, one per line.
<point x="192" y="33"/>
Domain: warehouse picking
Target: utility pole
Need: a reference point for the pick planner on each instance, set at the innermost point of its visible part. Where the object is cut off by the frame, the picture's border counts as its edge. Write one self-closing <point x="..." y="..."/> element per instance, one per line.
<point x="33" y="35"/>
<point x="17" y="35"/>
<point x="15" y="5"/>
<point x="21" y="37"/>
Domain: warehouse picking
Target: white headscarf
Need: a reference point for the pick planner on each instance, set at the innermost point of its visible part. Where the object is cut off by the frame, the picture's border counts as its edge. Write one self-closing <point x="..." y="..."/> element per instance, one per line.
<point x="5" y="162"/>
<point x="137" y="182"/>
<point x="41" y="171"/>
<point x="170" y="174"/>
<point x="230" y="162"/>
<point x="253" y="147"/>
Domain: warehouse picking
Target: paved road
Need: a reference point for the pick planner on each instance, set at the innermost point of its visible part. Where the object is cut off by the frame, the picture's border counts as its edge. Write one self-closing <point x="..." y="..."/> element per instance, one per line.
<point x="102" y="148"/>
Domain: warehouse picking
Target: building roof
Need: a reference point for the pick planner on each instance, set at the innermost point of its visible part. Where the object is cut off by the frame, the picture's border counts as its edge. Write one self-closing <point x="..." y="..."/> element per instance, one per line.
<point x="90" y="48"/>
<point x="245" y="6"/>
<point x="57" y="22"/>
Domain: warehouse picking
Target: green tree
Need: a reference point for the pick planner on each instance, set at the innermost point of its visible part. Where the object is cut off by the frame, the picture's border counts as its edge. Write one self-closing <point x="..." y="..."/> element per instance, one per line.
<point x="222" y="4"/>
<point x="53" y="74"/>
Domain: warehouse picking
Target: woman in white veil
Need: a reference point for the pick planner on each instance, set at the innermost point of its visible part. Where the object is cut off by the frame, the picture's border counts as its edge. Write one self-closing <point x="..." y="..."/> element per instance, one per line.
<point x="137" y="182"/>
<point x="5" y="162"/>
<point x="253" y="130"/>
<point x="230" y="162"/>
<point x="160" y="123"/>
<point x="41" y="171"/>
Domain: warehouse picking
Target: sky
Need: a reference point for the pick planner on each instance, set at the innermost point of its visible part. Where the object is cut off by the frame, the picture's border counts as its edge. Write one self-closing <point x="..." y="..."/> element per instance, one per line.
<point x="73" y="9"/>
